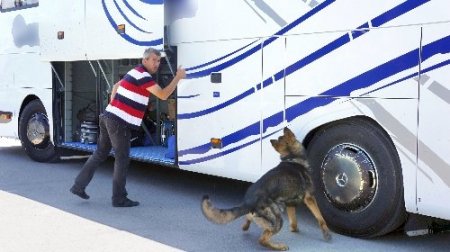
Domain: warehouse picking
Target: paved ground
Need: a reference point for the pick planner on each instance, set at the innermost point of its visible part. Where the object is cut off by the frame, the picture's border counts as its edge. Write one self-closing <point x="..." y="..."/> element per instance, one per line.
<point x="38" y="213"/>
<point x="46" y="228"/>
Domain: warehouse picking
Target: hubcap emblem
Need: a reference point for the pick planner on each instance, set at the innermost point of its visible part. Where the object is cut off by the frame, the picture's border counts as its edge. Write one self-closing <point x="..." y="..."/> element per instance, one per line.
<point x="341" y="179"/>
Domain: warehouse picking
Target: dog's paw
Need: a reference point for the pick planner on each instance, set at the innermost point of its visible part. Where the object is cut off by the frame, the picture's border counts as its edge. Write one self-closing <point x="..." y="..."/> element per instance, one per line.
<point x="327" y="236"/>
<point x="279" y="247"/>
<point x="294" y="229"/>
<point x="282" y="247"/>
<point x="246" y="225"/>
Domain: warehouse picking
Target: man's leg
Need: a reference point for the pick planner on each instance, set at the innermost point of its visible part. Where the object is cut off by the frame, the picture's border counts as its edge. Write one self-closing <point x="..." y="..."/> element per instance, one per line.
<point x="101" y="154"/>
<point x="120" y="140"/>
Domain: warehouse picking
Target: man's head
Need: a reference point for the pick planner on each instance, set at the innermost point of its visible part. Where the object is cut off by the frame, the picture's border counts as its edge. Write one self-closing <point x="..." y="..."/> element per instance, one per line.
<point x="151" y="60"/>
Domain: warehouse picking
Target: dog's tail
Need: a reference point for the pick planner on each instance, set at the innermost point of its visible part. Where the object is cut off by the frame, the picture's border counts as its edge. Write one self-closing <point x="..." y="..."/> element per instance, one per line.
<point x="221" y="216"/>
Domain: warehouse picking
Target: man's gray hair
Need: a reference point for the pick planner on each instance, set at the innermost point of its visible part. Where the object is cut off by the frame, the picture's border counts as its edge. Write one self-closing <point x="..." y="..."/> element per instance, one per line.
<point x="149" y="51"/>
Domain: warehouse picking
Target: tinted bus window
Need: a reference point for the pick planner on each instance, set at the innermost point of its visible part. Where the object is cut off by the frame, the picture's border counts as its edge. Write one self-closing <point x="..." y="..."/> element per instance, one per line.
<point x="10" y="5"/>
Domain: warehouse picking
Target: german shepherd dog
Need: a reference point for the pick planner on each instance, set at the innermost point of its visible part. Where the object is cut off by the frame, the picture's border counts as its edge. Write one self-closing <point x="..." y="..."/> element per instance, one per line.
<point x="283" y="187"/>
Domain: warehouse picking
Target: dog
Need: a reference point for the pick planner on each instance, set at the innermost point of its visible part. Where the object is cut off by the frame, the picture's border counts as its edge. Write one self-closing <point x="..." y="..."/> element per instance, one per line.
<point x="283" y="187"/>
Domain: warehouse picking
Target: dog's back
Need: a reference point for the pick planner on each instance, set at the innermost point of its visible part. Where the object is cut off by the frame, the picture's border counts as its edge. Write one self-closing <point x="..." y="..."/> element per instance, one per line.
<point x="286" y="183"/>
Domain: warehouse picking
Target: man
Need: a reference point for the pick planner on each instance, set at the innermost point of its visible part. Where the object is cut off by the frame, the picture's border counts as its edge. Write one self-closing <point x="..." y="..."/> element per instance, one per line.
<point x="125" y="111"/>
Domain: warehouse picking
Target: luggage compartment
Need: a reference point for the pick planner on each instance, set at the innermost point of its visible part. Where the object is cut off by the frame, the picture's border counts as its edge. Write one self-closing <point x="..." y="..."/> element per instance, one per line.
<point x="83" y="91"/>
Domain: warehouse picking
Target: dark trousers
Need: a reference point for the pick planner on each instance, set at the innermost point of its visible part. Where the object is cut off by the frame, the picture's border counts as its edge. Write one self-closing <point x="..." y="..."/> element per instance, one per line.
<point x="116" y="136"/>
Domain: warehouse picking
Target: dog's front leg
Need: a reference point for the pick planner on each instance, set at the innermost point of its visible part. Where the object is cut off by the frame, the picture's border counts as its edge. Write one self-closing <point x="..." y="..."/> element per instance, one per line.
<point x="291" y="213"/>
<point x="311" y="203"/>
<point x="248" y="221"/>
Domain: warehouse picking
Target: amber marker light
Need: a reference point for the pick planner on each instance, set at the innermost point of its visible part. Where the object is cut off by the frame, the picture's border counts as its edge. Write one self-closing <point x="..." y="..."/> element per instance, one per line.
<point x="5" y="117"/>
<point x="216" y="143"/>
<point x="121" y="28"/>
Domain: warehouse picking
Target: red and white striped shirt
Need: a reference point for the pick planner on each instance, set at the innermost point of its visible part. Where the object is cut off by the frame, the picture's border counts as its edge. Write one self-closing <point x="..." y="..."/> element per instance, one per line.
<point x="131" y="98"/>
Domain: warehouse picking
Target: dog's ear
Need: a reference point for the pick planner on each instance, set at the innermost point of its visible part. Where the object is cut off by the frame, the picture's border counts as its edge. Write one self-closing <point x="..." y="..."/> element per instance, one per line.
<point x="288" y="132"/>
<point x="274" y="143"/>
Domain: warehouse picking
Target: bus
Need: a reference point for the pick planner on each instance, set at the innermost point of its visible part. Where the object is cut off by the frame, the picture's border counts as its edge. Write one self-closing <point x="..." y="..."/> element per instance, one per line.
<point x="364" y="85"/>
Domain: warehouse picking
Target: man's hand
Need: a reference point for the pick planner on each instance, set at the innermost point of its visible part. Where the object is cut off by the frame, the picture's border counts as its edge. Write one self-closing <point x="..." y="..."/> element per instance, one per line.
<point x="181" y="73"/>
<point x="164" y="93"/>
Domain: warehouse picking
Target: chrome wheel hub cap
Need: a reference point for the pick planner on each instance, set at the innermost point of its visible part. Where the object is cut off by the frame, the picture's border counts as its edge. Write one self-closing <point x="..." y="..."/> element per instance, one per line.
<point x="37" y="129"/>
<point x="349" y="177"/>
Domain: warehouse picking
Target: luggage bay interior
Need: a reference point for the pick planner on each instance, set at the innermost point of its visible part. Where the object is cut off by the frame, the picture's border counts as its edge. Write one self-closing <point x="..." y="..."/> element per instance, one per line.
<point x="83" y="90"/>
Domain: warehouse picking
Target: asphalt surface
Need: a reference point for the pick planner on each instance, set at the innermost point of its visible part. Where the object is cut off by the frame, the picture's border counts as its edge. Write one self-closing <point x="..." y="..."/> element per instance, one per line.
<point x="38" y="213"/>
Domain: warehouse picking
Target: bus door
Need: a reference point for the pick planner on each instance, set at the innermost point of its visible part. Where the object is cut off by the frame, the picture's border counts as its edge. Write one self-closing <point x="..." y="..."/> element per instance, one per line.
<point x="218" y="108"/>
<point x="272" y="98"/>
<point x="433" y="175"/>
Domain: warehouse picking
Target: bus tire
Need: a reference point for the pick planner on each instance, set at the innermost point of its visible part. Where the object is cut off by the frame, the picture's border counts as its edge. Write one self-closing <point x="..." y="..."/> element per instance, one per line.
<point x="34" y="133"/>
<point x="357" y="176"/>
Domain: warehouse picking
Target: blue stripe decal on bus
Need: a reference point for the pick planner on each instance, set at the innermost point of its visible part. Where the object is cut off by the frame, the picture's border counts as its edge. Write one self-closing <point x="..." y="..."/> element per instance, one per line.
<point x="267" y="82"/>
<point x="273" y="120"/>
<point x="253" y="129"/>
<point x="404" y="62"/>
<point x="203" y="159"/>
<point x="224" y="65"/>
<point x="360" y="30"/>
<point x="401" y="63"/>
<point x="187" y="96"/>
<point x="155" y="42"/>
<point x="344" y="39"/>
<point x="152" y="1"/>
<point x="133" y="10"/>
<point x="397" y="11"/>
<point x="217" y="107"/>
<point x="428" y="69"/>
<point x="218" y="59"/>
<point x="127" y="19"/>
<point x="256" y="48"/>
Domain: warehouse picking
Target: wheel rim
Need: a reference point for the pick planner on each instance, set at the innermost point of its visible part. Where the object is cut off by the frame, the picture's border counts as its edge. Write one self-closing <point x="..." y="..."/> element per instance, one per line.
<point x="38" y="129"/>
<point x="349" y="177"/>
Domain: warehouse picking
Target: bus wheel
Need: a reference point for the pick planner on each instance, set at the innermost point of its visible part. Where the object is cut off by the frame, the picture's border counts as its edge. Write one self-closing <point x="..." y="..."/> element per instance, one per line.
<point x="34" y="133"/>
<point x="357" y="177"/>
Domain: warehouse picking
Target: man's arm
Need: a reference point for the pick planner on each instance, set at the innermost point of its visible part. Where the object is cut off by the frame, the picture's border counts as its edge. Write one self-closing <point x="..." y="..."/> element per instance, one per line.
<point x="164" y="93"/>
<point x="114" y="90"/>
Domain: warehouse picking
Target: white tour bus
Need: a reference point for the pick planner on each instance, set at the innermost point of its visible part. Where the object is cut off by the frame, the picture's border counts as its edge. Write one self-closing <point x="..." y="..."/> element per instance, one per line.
<point x="365" y="85"/>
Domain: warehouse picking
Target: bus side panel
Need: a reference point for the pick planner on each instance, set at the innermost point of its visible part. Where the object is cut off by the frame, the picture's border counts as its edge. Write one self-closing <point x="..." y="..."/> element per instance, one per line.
<point x="21" y="72"/>
<point x="18" y="81"/>
<point x="433" y="176"/>
<point x="204" y="112"/>
<point x="8" y="127"/>
<point x="143" y="23"/>
<point x="8" y="103"/>
<point x="62" y="30"/>
<point x="100" y="29"/>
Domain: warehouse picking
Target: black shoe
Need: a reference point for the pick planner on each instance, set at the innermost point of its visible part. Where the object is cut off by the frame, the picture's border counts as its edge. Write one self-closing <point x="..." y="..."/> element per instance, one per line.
<point x="126" y="203"/>
<point x="80" y="193"/>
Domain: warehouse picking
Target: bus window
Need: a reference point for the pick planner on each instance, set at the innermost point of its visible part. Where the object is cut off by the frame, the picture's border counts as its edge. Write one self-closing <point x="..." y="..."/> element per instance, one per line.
<point x="10" y="5"/>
